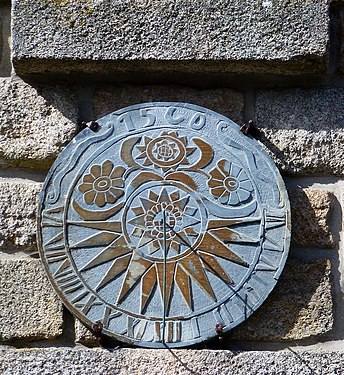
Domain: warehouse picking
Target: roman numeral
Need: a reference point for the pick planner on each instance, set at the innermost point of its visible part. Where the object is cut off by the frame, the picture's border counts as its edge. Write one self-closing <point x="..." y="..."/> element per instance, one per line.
<point x="173" y="331"/>
<point x="67" y="280"/>
<point x="108" y="315"/>
<point x="86" y="306"/>
<point x="222" y="315"/>
<point x="52" y="217"/>
<point x="195" y="328"/>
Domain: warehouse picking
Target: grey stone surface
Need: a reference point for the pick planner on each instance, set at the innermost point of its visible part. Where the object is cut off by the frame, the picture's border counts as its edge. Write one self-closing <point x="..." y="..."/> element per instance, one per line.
<point x="303" y="130"/>
<point x="268" y="36"/>
<point x="311" y="211"/>
<point x="30" y="310"/>
<point x="227" y="102"/>
<point x="299" y="307"/>
<point x="35" y="123"/>
<point x="65" y="361"/>
<point x="18" y="206"/>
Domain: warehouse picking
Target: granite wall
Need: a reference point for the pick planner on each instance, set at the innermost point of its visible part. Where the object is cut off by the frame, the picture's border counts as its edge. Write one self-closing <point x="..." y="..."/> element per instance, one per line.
<point x="276" y="62"/>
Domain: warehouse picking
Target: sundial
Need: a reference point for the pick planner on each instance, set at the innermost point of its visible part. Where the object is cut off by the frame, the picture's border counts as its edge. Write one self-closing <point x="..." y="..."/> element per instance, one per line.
<point x="163" y="223"/>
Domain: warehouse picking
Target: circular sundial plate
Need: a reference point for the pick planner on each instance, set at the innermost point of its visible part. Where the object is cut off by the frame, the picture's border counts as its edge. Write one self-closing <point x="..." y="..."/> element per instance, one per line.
<point x="164" y="222"/>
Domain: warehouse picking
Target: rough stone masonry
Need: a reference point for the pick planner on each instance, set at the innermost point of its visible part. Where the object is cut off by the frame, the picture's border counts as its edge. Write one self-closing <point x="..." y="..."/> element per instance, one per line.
<point x="276" y="62"/>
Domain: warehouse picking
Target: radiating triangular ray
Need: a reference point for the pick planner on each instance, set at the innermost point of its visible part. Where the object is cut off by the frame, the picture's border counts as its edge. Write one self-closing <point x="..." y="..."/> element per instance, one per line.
<point x="111" y="226"/>
<point x="212" y="265"/>
<point x="144" y="240"/>
<point x="146" y="203"/>
<point x="220" y="223"/>
<point x="164" y="196"/>
<point x="169" y="280"/>
<point x="138" y="221"/>
<point x="175" y="246"/>
<point x="181" y="203"/>
<point x="154" y="246"/>
<point x="149" y="280"/>
<point x="193" y="266"/>
<point x="115" y="250"/>
<point x="99" y="239"/>
<point x="213" y="246"/>
<point x="230" y="235"/>
<point x="183" y="282"/>
<point x="138" y="210"/>
<point x="191" y="232"/>
<point x="153" y="196"/>
<point x="189" y="220"/>
<point x="117" y="267"/>
<point x="190" y="150"/>
<point x="137" y="267"/>
<point x="175" y="196"/>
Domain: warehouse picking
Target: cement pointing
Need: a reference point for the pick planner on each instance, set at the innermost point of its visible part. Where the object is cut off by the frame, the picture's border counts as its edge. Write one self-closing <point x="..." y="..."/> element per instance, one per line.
<point x="45" y="33"/>
<point x="65" y="361"/>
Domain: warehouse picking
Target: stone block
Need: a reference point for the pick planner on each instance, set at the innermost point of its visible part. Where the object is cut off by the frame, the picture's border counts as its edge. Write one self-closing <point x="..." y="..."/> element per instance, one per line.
<point x="18" y="206"/>
<point x="104" y="36"/>
<point x="227" y="102"/>
<point x="30" y="309"/>
<point x="311" y="210"/>
<point x="168" y="362"/>
<point x="303" y="130"/>
<point x="36" y="123"/>
<point x="299" y="307"/>
<point x="84" y="336"/>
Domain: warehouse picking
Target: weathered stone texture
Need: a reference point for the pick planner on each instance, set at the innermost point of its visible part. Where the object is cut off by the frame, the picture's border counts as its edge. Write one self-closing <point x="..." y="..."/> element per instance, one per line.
<point x="303" y="130"/>
<point x="299" y="307"/>
<point x="30" y="309"/>
<point x="311" y="210"/>
<point x="270" y="36"/>
<point x="175" y="362"/>
<point x="227" y="102"/>
<point x="18" y="206"/>
<point x="35" y="123"/>
<point x="84" y="336"/>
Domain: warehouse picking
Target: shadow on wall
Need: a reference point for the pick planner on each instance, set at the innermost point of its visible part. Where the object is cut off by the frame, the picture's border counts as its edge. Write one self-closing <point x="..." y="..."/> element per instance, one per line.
<point x="299" y="307"/>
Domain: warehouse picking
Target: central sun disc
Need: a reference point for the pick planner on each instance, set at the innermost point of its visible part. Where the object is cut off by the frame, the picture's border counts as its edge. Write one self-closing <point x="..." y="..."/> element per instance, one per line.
<point x="143" y="221"/>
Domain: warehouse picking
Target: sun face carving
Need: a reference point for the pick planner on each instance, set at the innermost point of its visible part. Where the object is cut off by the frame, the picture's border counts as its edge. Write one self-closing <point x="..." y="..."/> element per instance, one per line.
<point x="229" y="183"/>
<point x="168" y="151"/>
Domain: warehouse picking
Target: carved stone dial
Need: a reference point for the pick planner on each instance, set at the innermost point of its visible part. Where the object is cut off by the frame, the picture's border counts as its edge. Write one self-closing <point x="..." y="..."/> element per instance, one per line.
<point x="163" y="223"/>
